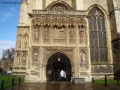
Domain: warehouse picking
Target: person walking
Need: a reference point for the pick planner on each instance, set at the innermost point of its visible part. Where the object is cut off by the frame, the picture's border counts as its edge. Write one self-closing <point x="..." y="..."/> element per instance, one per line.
<point x="62" y="75"/>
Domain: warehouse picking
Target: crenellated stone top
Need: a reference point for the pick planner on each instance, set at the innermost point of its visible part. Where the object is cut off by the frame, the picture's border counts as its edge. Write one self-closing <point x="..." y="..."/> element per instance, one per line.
<point x="45" y="12"/>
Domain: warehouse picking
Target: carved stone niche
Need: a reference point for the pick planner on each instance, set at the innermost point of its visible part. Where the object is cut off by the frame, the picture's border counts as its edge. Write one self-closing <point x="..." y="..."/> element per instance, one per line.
<point x="83" y="59"/>
<point x="72" y="34"/>
<point x="36" y="33"/>
<point x="18" y="58"/>
<point x="26" y="41"/>
<point x="82" y="34"/>
<point x="35" y="57"/>
<point x="24" y="58"/>
<point x="46" y="34"/>
<point x="19" y="41"/>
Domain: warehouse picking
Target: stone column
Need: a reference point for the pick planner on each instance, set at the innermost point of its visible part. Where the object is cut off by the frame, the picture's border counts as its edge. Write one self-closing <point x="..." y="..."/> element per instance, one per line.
<point x="77" y="52"/>
<point x="67" y="35"/>
<point x="42" y="35"/>
<point x="15" y="59"/>
<point x="51" y="36"/>
<point x="21" y="14"/>
<point x="36" y="4"/>
<point x="79" y="4"/>
<point x="30" y="47"/>
<point x="40" y="5"/>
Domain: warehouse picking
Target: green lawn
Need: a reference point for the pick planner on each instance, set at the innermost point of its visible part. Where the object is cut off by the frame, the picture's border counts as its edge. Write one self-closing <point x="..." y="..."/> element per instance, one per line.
<point x="8" y="80"/>
<point x="103" y="82"/>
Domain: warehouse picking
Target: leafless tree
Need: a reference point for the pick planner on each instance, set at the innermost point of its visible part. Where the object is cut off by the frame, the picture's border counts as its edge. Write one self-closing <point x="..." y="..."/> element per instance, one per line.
<point x="8" y="53"/>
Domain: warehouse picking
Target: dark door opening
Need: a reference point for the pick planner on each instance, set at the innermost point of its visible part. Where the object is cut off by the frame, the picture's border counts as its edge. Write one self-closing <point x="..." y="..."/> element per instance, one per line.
<point x="54" y="64"/>
<point x="59" y="65"/>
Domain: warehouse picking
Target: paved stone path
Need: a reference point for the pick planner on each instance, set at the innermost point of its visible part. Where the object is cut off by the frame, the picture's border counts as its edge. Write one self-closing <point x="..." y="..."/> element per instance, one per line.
<point x="63" y="86"/>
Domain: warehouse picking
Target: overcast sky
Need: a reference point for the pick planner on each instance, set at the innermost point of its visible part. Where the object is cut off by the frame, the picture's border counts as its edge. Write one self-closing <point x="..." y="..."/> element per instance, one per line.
<point x="9" y="14"/>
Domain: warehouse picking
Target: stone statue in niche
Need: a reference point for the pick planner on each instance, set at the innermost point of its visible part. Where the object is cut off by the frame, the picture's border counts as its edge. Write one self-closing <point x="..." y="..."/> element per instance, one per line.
<point x="82" y="59"/>
<point x="35" y="55"/>
<point x="19" y="43"/>
<point x="18" y="59"/>
<point x="25" y="42"/>
<point x="36" y="33"/>
<point x="81" y="34"/>
<point x="46" y="33"/>
<point x="71" y="34"/>
<point x="24" y="59"/>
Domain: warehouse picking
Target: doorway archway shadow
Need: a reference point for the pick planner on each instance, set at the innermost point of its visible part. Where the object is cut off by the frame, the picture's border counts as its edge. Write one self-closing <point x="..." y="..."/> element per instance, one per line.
<point x="55" y="64"/>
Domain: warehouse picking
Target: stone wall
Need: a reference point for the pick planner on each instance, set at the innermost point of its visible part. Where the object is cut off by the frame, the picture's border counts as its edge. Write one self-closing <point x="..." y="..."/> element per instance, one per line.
<point x="58" y="29"/>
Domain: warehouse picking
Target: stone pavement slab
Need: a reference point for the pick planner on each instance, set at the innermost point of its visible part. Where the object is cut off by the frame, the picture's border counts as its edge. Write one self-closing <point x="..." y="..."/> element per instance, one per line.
<point x="63" y="86"/>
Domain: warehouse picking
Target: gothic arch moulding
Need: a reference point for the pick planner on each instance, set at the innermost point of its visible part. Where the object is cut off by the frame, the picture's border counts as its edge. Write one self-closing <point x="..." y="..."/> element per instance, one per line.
<point x="99" y="7"/>
<point x="66" y="53"/>
<point x="59" y="5"/>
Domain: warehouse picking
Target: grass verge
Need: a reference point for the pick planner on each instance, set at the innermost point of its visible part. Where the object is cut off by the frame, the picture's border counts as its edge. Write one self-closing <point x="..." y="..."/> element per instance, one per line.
<point x="8" y="80"/>
<point x="103" y="82"/>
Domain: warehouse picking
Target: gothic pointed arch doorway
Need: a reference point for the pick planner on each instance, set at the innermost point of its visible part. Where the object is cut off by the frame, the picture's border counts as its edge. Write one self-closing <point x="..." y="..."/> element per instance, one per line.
<point x="58" y="61"/>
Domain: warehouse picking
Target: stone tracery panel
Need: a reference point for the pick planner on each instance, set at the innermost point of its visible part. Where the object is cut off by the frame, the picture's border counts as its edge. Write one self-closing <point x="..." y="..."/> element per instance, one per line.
<point x="82" y="28"/>
<point x="102" y="68"/>
<point x="21" y="58"/>
<point x="59" y="26"/>
<point x="23" y="37"/>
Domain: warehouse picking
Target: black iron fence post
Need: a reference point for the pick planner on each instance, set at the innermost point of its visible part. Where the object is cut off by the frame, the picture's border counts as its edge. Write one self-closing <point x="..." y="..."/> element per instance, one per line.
<point x="92" y="79"/>
<point x="13" y="82"/>
<point x="19" y="80"/>
<point x="105" y="80"/>
<point x="117" y="80"/>
<point x="2" y="85"/>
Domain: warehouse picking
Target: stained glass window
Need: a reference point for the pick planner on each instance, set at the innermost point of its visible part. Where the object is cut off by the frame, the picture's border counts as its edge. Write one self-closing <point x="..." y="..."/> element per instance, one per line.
<point x="97" y="33"/>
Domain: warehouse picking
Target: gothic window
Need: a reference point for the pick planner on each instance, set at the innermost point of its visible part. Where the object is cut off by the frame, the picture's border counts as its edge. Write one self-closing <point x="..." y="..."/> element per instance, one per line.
<point x="97" y="33"/>
<point x="59" y="6"/>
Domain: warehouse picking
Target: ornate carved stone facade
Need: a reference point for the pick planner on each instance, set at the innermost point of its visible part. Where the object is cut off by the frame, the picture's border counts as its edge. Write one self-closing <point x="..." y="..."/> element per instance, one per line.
<point x="74" y="28"/>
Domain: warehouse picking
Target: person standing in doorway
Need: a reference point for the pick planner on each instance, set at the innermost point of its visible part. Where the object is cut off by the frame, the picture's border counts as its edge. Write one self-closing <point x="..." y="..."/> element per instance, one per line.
<point x="49" y="73"/>
<point x="62" y="75"/>
<point x="58" y="75"/>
